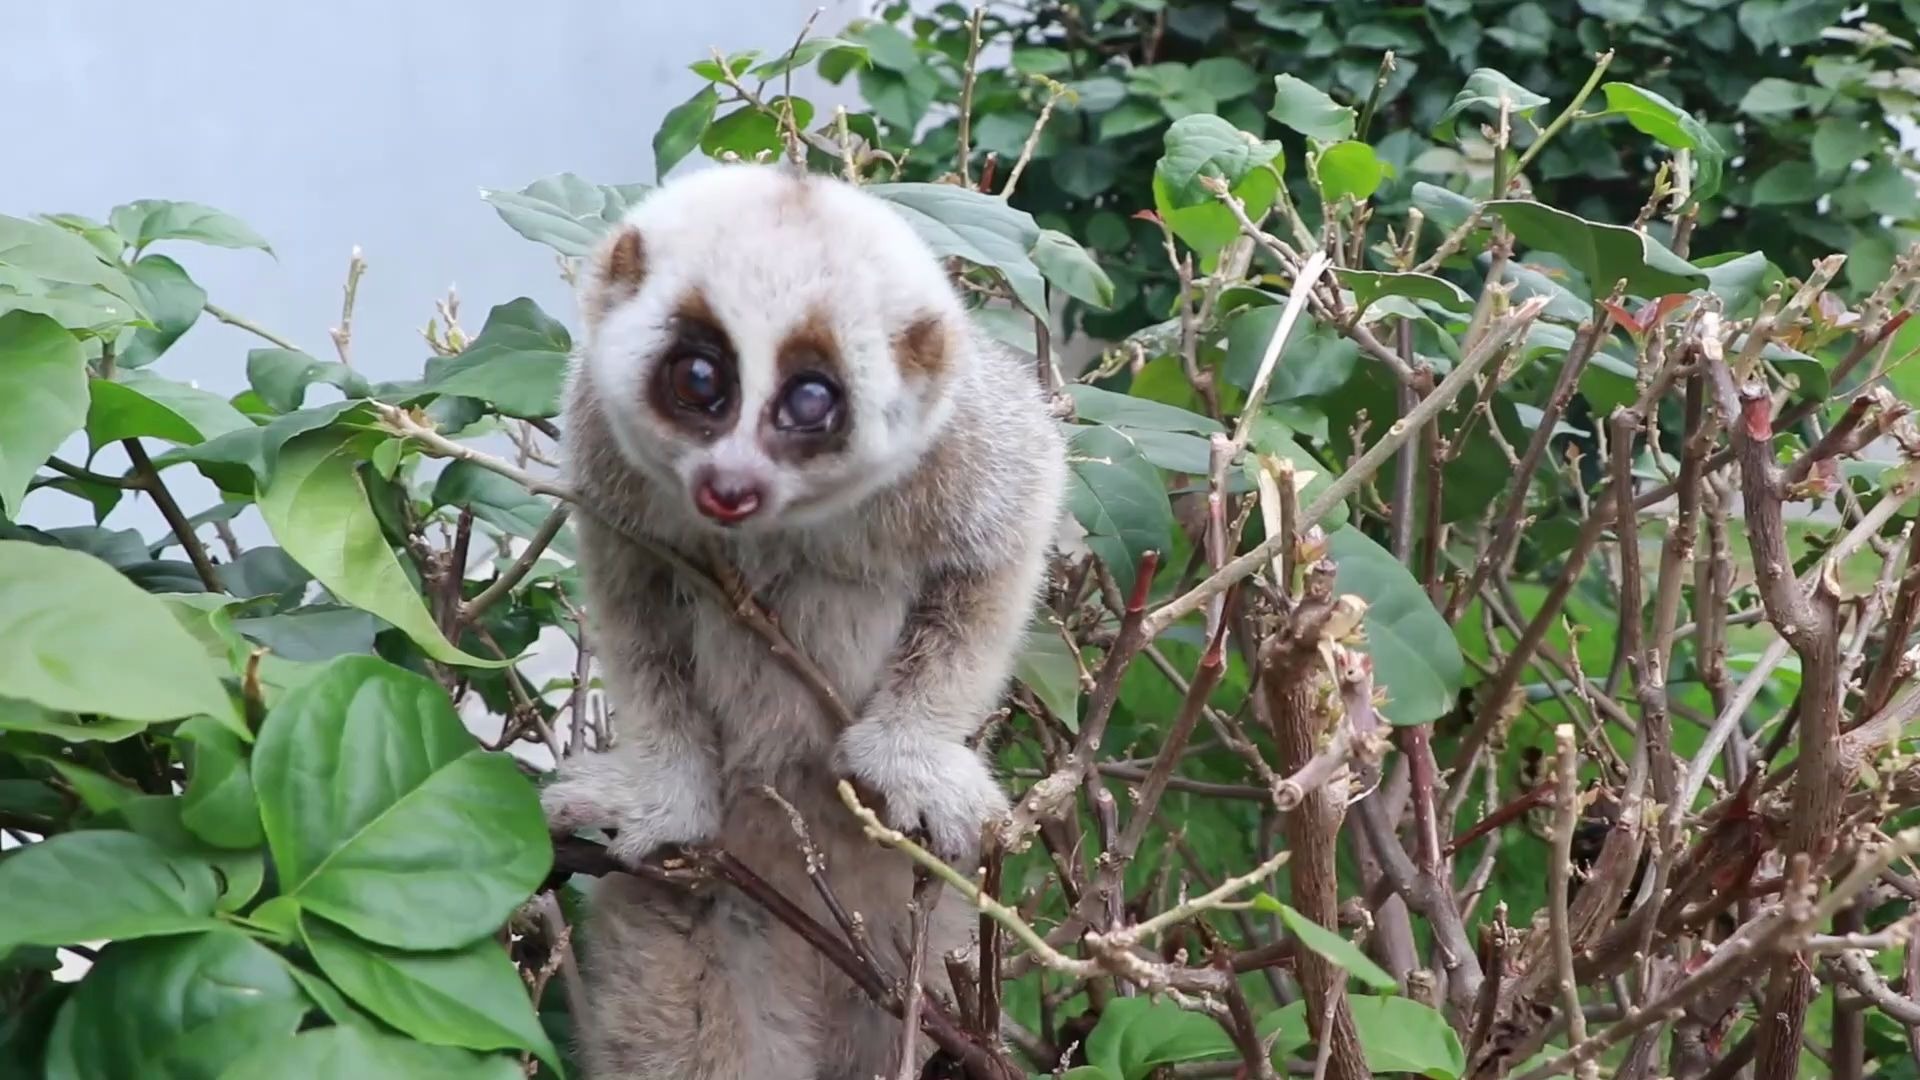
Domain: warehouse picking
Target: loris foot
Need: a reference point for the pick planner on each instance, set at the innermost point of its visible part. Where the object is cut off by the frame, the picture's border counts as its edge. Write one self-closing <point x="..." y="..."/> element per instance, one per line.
<point x="943" y="789"/>
<point x="644" y="805"/>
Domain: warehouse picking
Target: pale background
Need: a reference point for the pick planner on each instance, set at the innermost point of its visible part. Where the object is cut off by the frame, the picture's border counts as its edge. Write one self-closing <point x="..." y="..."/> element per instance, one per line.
<point x="352" y="122"/>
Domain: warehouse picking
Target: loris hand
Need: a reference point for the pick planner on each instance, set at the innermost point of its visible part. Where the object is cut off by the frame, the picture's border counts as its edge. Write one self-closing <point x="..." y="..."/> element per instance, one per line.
<point x="647" y="803"/>
<point x="940" y="787"/>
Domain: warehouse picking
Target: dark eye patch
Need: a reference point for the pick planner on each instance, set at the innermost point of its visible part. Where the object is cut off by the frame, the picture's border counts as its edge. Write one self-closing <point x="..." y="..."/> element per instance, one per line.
<point x="811" y="411"/>
<point x="695" y="383"/>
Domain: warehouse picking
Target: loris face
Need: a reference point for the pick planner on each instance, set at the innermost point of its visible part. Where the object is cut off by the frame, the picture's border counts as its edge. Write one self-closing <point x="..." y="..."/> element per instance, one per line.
<point x="771" y="348"/>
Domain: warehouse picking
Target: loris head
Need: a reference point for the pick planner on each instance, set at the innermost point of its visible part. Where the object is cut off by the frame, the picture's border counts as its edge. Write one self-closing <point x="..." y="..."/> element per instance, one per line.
<point x="770" y="347"/>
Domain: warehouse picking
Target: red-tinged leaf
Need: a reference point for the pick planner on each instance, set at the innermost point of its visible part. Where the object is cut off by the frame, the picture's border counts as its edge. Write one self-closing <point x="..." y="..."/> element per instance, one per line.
<point x="1653" y="313"/>
<point x="1148" y="215"/>
<point x="1625" y="318"/>
<point x="1829" y="308"/>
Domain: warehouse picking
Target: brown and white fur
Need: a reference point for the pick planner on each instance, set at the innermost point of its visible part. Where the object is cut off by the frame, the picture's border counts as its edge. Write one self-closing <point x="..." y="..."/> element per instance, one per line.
<point x="902" y="548"/>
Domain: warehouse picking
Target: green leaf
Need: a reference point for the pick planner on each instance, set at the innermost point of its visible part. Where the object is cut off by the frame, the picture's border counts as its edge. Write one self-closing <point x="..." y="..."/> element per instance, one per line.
<point x="1046" y="667"/>
<point x="1336" y="949"/>
<point x="1118" y="498"/>
<point x="76" y="635"/>
<point x="1224" y="78"/>
<point x="1602" y="253"/>
<point x="1771" y="97"/>
<point x="315" y="632"/>
<point x="257" y="450"/>
<point x="1400" y="1035"/>
<point x="844" y="52"/>
<point x="1445" y="210"/>
<point x="173" y="303"/>
<point x="1651" y="114"/>
<point x="54" y="256"/>
<point x="961" y="223"/>
<point x="316" y="507"/>
<point x="1307" y="110"/>
<point x="1135" y="1035"/>
<point x="1840" y="141"/>
<point x="498" y="501"/>
<point x="563" y="211"/>
<point x="1371" y="285"/>
<point x="1790" y="183"/>
<point x="470" y="997"/>
<point x="1313" y="362"/>
<point x="176" y="1008"/>
<point x="18" y="715"/>
<point x="43" y="396"/>
<point x="1129" y="118"/>
<point x="1736" y="279"/>
<point x="1349" y="170"/>
<point x="101" y="884"/>
<point x="385" y="816"/>
<point x="281" y="377"/>
<point x="1127" y="412"/>
<point x="750" y="131"/>
<point x="1067" y="265"/>
<point x="518" y="364"/>
<point x="1484" y="91"/>
<point x="330" y="1053"/>
<point x="1202" y="145"/>
<point x="1415" y="658"/>
<point x="685" y="125"/>
<point x="142" y="403"/>
<point x="150" y="220"/>
<point x="219" y="805"/>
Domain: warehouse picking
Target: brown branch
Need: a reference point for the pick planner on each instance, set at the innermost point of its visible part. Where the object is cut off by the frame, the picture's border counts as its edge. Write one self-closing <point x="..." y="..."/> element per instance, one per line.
<point x="150" y="482"/>
<point x="502" y="585"/>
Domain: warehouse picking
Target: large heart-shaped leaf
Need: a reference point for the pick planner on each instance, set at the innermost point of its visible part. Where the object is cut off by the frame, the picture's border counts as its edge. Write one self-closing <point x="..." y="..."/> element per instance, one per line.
<point x="1415" y="658"/>
<point x="470" y="997"/>
<point x="77" y="636"/>
<point x="101" y="884"/>
<point x="175" y="1008"/>
<point x="518" y="364"/>
<point x="385" y="816"/>
<point x="316" y="506"/>
<point x="43" y="396"/>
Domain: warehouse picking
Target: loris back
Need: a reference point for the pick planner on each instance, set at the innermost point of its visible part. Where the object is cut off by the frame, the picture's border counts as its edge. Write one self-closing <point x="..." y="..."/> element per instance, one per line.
<point x="777" y="370"/>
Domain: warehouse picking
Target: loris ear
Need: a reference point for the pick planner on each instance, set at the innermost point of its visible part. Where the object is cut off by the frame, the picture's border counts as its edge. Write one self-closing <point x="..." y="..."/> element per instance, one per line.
<point x="926" y="347"/>
<point x="614" y="274"/>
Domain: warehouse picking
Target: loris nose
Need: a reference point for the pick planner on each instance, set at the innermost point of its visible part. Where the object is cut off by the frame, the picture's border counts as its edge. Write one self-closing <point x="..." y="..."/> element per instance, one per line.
<point x="727" y="498"/>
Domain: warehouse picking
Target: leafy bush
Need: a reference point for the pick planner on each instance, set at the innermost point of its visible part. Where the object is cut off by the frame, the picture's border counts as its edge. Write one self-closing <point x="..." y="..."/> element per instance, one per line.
<point x="1396" y="444"/>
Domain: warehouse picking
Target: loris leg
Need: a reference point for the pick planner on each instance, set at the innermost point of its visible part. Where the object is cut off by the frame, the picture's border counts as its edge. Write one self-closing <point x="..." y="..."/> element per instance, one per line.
<point x="949" y="671"/>
<point x="659" y="783"/>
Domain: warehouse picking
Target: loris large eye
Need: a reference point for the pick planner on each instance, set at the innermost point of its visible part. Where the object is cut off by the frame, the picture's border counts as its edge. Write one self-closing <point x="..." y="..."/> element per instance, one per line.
<point x="808" y="404"/>
<point x="696" y="382"/>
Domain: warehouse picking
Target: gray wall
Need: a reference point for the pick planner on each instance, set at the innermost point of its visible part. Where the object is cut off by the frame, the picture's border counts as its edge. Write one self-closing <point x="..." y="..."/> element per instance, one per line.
<point x="326" y="125"/>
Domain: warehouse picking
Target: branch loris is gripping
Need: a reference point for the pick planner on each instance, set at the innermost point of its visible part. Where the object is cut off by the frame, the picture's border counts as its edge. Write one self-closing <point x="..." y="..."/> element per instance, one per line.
<point x="776" y="369"/>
